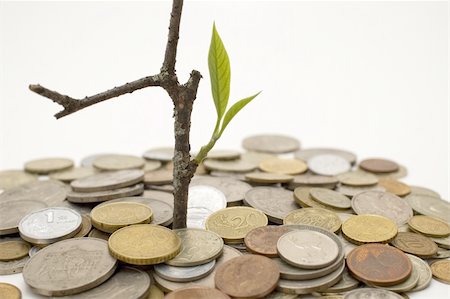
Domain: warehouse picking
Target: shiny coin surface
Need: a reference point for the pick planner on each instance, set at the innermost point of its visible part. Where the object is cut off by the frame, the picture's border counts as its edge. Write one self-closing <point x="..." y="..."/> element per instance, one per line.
<point x="371" y="293"/>
<point x="97" y="266"/>
<point x="441" y="271"/>
<point x="429" y="205"/>
<point x="358" y="178"/>
<point x="108" y="180"/>
<point x="202" y="202"/>
<point x="234" y="190"/>
<point x="13" y="266"/>
<point x="429" y="226"/>
<point x="14" y="178"/>
<point x="263" y="240"/>
<point x="369" y="229"/>
<point x="315" y="217"/>
<point x="283" y="166"/>
<point x="274" y="144"/>
<point x="16" y="210"/>
<point x="73" y="174"/>
<point x="306" y="154"/>
<point x="144" y="244"/>
<point x="50" y="225"/>
<point x="118" y="162"/>
<point x="198" y="246"/>
<point x="197" y="293"/>
<point x="257" y="273"/>
<point x="312" y="180"/>
<point x="13" y="250"/>
<point x="9" y="291"/>
<point x="424" y="271"/>
<point x="307" y="249"/>
<point x="233" y="224"/>
<point x="51" y="192"/>
<point x="182" y="274"/>
<point x="415" y="244"/>
<point x="328" y="164"/>
<point x="395" y="187"/>
<point x="224" y="154"/>
<point x="330" y="198"/>
<point x="275" y="202"/>
<point x="237" y="165"/>
<point x="410" y="282"/>
<point x="86" y="226"/>
<point x="45" y="166"/>
<point x="268" y="178"/>
<point x="384" y="204"/>
<point x="112" y="216"/>
<point x="107" y="195"/>
<point x="158" y="177"/>
<point x="379" y="264"/>
<point x="378" y="165"/>
<point x="163" y="154"/>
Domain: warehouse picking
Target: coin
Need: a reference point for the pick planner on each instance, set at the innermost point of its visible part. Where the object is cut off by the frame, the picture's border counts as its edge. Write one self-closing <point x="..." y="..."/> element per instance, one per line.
<point x="316" y="217"/>
<point x="155" y="292"/>
<point x="182" y="274"/>
<point x="112" y="216"/>
<point x="45" y="166"/>
<point x="72" y="174"/>
<point x="398" y="174"/>
<point x="280" y="295"/>
<point x="371" y="293"/>
<point x="415" y="244"/>
<point x="234" y="190"/>
<point x="237" y="165"/>
<point x="263" y="240"/>
<point x="202" y="202"/>
<point x="257" y="273"/>
<point x="9" y="291"/>
<point x="442" y="242"/>
<point x="197" y="293"/>
<point x="378" y="165"/>
<point x="86" y="226"/>
<point x="305" y="200"/>
<point x="95" y="233"/>
<point x="384" y="204"/>
<point x="108" y="180"/>
<point x="429" y="226"/>
<point x="441" y="271"/>
<point x="369" y="229"/>
<point x="118" y="162"/>
<point x="107" y="195"/>
<point x="330" y="198"/>
<point x="379" y="264"/>
<point x="50" y="225"/>
<point x="417" y="190"/>
<point x="328" y="164"/>
<point x="255" y="157"/>
<point x="144" y="244"/>
<point x="424" y="271"/>
<point x="223" y="154"/>
<point x="345" y="284"/>
<point x="351" y="191"/>
<point x="306" y="154"/>
<point x="394" y="186"/>
<point x="51" y="192"/>
<point x="268" y="178"/>
<point x="14" y="178"/>
<point x="163" y="154"/>
<point x="151" y="165"/>
<point x="275" y="202"/>
<point x="410" y="282"/>
<point x="428" y="205"/>
<point x="346" y="245"/>
<point x="13" y="250"/>
<point x="198" y="246"/>
<point x="16" y="210"/>
<point x="283" y="166"/>
<point x="311" y="180"/>
<point x="158" y="177"/>
<point x="33" y="250"/>
<point x="271" y="143"/>
<point x="89" y="160"/>
<point x="14" y="266"/>
<point x="228" y="174"/>
<point x="358" y="178"/>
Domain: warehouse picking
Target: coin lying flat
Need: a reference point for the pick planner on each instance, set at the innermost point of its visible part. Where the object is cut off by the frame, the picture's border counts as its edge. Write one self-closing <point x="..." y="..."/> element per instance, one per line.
<point x="107" y="195"/>
<point x="118" y="162"/>
<point x="428" y="205"/>
<point x="441" y="271"/>
<point x="330" y="198"/>
<point x="197" y="293"/>
<point x="72" y="174"/>
<point x="369" y="229"/>
<point x="263" y="240"/>
<point x="159" y="195"/>
<point x="237" y="165"/>
<point x="315" y="217"/>
<point x="345" y="284"/>
<point x="158" y="177"/>
<point x="371" y="293"/>
<point x="268" y="178"/>
<point x="424" y="271"/>
<point x="45" y="166"/>
<point x="328" y="165"/>
<point x="257" y="273"/>
<point x="151" y="165"/>
<point x="415" y="244"/>
<point x="182" y="274"/>
<point x="429" y="226"/>
<point x="306" y="154"/>
<point x="16" y="210"/>
<point x="14" y="178"/>
<point x="418" y="190"/>
<point x="305" y="200"/>
<point x="255" y="157"/>
<point x="395" y="187"/>
<point x="379" y="264"/>
<point x="283" y="166"/>
<point x="13" y="250"/>
<point x="9" y="291"/>
<point x="108" y="180"/>
<point x="155" y="292"/>
<point x="202" y="202"/>
<point x="234" y="190"/>
<point x="351" y="191"/>
<point x="163" y="154"/>
<point x="442" y="242"/>
<point x="410" y="282"/>
<point x="13" y="266"/>
<point x="378" y="165"/>
<point x="224" y="154"/>
<point x="312" y="180"/>
<point x="274" y="144"/>
<point x="50" y="192"/>
<point x="52" y="271"/>
<point x="86" y="226"/>
<point x="358" y="178"/>
<point x="95" y="233"/>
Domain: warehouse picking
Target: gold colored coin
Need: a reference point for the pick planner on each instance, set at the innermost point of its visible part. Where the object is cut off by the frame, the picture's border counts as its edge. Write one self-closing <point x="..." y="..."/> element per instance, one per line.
<point x="112" y="216"/>
<point x="232" y="224"/>
<point x="315" y="217"/>
<point x="144" y="244"/>
<point x="361" y="229"/>
<point x="394" y="186"/>
<point x="155" y="293"/>
<point x="13" y="250"/>
<point x="283" y="166"/>
<point x="268" y="178"/>
<point x="441" y="270"/>
<point x="9" y="291"/>
<point x="429" y="226"/>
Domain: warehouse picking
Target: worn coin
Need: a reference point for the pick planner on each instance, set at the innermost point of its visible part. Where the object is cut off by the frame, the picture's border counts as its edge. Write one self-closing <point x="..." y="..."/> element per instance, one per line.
<point x="415" y="244"/>
<point x="184" y="274"/>
<point x="271" y="143"/>
<point x="351" y="191"/>
<point x="346" y="245"/>
<point x="362" y="229"/>
<point x="306" y="154"/>
<point x="424" y="271"/>
<point x="197" y="293"/>
<point x="106" y="195"/>
<point x="379" y="264"/>
<point x="72" y="174"/>
<point x="280" y="295"/>
<point x="118" y="162"/>
<point x="86" y="226"/>
<point x="358" y="178"/>
<point x="155" y="292"/>
<point x="384" y="204"/>
<point x="395" y="187"/>
<point x="9" y="291"/>
<point x="398" y="174"/>
<point x="441" y="271"/>
<point x="371" y="293"/>
<point x="268" y="178"/>
<point x="158" y="177"/>
<point x="345" y="284"/>
<point x="165" y="188"/>
<point x="50" y="192"/>
<point x="328" y="164"/>
<point x="312" y="180"/>
<point x="315" y="217"/>
<point x="234" y="190"/>
<point x="45" y="166"/>
<point x="263" y="240"/>
<point x="163" y="154"/>
<point x="14" y="266"/>
<point x="410" y="282"/>
<point x="228" y="174"/>
<point x="442" y="242"/>
<point x="89" y="160"/>
<point x="16" y="210"/>
<point x="108" y="180"/>
<point x="159" y="195"/>
<point x="95" y="233"/>
<point x="202" y="202"/>
<point x="13" y="250"/>
<point x="283" y="166"/>
<point x="378" y="165"/>
<point x="223" y="154"/>
<point x="428" y="205"/>
<point x="305" y="200"/>
<point x="417" y="190"/>
<point x="330" y="198"/>
<point x="13" y="178"/>
<point x="151" y="165"/>
<point x="237" y="165"/>
<point x="257" y="273"/>
<point x="255" y="157"/>
<point x="144" y="244"/>
<point x="429" y="226"/>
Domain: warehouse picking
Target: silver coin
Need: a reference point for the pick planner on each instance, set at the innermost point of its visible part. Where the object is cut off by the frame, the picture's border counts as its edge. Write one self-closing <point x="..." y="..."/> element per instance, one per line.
<point x="233" y="189"/>
<point x="100" y="196"/>
<point x="89" y="160"/>
<point x="14" y="178"/>
<point x="280" y="295"/>
<point x="312" y="180"/>
<point x="108" y="180"/>
<point x="184" y="274"/>
<point x="51" y="192"/>
<point x="228" y="174"/>
<point x="328" y="164"/>
<point x="346" y="283"/>
<point x="164" y="154"/>
<point x="33" y="250"/>
<point x="237" y="165"/>
<point x="202" y="202"/>
<point x="16" y="210"/>
<point x="424" y="271"/>
<point x="159" y="195"/>
<point x="417" y="190"/>
<point x="151" y="165"/>
<point x="271" y="143"/>
<point x="442" y="242"/>
<point x="358" y="178"/>
<point x="346" y="245"/>
<point x="256" y="157"/>
<point x="306" y="154"/>
<point x="49" y="225"/>
<point x="83" y="209"/>
<point x="330" y="198"/>
<point x="127" y="282"/>
<point x="72" y="174"/>
<point x="384" y="204"/>
<point x="115" y="162"/>
<point x="351" y="191"/>
<point x="430" y="206"/>
<point x="441" y="254"/>
<point x="275" y="202"/>
<point x="14" y="266"/>
<point x="69" y="267"/>
<point x="223" y="154"/>
<point x="371" y="293"/>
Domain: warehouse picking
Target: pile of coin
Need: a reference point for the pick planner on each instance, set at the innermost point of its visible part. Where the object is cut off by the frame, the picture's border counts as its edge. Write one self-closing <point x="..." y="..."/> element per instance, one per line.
<point x="274" y="221"/>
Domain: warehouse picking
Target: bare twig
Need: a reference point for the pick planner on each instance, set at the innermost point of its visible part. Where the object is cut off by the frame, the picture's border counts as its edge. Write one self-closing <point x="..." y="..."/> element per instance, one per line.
<point x="170" y="56"/>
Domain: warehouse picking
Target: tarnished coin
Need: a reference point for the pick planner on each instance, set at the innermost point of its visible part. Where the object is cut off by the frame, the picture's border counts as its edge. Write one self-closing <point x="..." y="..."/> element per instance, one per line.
<point x="417" y="190"/>
<point x="328" y="164"/>
<point x="233" y="189"/>
<point x="95" y="233"/>
<point x="158" y="177"/>
<point x="45" y="166"/>
<point x="198" y="246"/>
<point x="89" y="160"/>
<point x="144" y="244"/>
<point x="257" y="273"/>
<point x="86" y="226"/>
<point x="379" y="264"/>
<point x="233" y="224"/>
<point x="108" y="180"/>
<point x="280" y="295"/>
<point x="371" y="293"/>
<point x="306" y="154"/>
<point x="270" y="143"/>
<point x="255" y="157"/>
<point x="106" y="195"/>
<point x="424" y="271"/>
<point x="345" y="284"/>
<point x="441" y="271"/>
<point x="203" y="201"/>
<point x="330" y="198"/>
<point x="223" y="154"/>
<point x="429" y="226"/>
<point x="112" y="216"/>
<point x="197" y="293"/>
<point x="398" y="174"/>
<point x="16" y="210"/>
<point x="151" y="165"/>
<point x="263" y="240"/>
<point x="14" y="178"/>
<point x="159" y="195"/>
<point x="305" y="200"/>
<point x="395" y="187"/>
<point x="283" y="166"/>
<point x="9" y="291"/>
<point x="73" y="174"/>
<point x="358" y="178"/>
<point x="163" y="154"/>
<point x="351" y="191"/>
<point x="312" y="180"/>
<point x="94" y="266"/>
<point x="14" y="266"/>
<point x="275" y="202"/>
<point x="410" y="282"/>
<point x="237" y="165"/>
<point x="315" y="217"/>
<point x="377" y="165"/>
<point x="50" y="225"/>
<point x="384" y="204"/>
<point x="50" y="192"/>
<point x="184" y="274"/>
<point x="415" y="244"/>
<point x="118" y="162"/>
<point x="268" y="178"/>
<point x="428" y="205"/>
<point x="362" y="229"/>
<point x="13" y="250"/>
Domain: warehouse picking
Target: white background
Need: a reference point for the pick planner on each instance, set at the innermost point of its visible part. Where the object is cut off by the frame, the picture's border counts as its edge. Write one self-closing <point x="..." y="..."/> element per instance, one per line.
<point x="371" y="77"/>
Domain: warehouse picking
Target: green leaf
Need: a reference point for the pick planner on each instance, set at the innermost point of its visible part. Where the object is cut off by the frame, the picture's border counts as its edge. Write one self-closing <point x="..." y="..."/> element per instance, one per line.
<point x="219" y="72"/>
<point x="231" y="113"/>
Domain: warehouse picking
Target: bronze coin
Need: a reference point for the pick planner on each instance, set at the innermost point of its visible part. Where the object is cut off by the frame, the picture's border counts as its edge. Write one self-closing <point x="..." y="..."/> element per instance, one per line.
<point x="263" y="240"/>
<point x="415" y="244"/>
<point x="379" y="165"/>
<point x="247" y="276"/>
<point x="196" y="293"/>
<point x="379" y="264"/>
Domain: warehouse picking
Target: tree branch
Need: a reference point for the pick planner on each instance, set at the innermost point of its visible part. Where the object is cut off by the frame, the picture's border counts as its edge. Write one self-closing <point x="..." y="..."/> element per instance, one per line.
<point x="72" y="105"/>
<point x="172" y="40"/>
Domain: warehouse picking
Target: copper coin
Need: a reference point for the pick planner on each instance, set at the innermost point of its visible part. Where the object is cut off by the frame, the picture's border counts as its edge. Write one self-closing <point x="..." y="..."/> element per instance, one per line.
<point x="415" y="244"/>
<point x="379" y="264"/>
<point x="197" y="293"/>
<point x="379" y="165"/>
<point x="263" y="240"/>
<point x="247" y="276"/>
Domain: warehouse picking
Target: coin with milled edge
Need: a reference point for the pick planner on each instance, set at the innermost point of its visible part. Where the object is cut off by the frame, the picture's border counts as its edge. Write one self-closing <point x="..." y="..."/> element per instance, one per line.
<point x="330" y="198"/>
<point x="271" y="143"/>
<point x="263" y="240"/>
<point x="9" y="291"/>
<point x="377" y="165"/>
<point x="371" y="293"/>
<point x="237" y="165"/>
<point x="14" y="178"/>
<point x="107" y="195"/>
<point x="184" y="274"/>
<point x="108" y="180"/>
<point x="94" y="266"/>
<point x="197" y="293"/>
<point x="316" y="217"/>
<point x="429" y="206"/>
<point x="328" y="164"/>
<point x="441" y="271"/>
<point x="234" y="190"/>
<point x="73" y="174"/>
<point x="358" y="178"/>
<point x="362" y="229"/>
<point x="429" y="226"/>
<point x="118" y="162"/>
<point x="306" y="154"/>
<point x="45" y="166"/>
<point x="13" y="250"/>
<point x="51" y="192"/>
<point x="415" y="244"/>
<point x="163" y="154"/>
<point x="268" y="178"/>
<point x="283" y="166"/>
